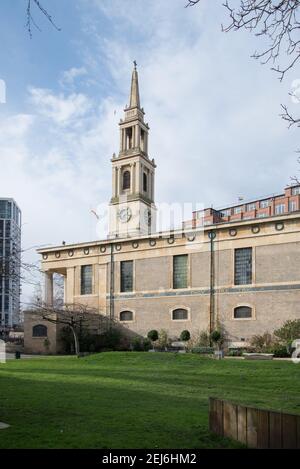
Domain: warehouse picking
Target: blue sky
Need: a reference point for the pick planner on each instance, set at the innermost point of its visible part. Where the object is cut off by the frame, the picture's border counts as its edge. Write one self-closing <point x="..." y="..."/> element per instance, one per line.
<point x="212" y="110"/>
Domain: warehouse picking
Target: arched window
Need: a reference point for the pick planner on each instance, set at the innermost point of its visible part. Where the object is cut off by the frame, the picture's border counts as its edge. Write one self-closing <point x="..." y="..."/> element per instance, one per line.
<point x="39" y="331"/>
<point x="179" y="314"/>
<point x="242" y="312"/>
<point x="145" y="182"/>
<point x="126" y="180"/>
<point x="126" y="316"/>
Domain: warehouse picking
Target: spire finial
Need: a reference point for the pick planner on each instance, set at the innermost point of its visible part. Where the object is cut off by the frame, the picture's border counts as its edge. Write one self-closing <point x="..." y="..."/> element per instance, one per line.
<point x="134" y="93"/>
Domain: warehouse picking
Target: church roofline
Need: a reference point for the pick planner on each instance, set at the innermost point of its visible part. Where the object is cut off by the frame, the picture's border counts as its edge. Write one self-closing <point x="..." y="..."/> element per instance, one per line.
<point x="171" y="233"/>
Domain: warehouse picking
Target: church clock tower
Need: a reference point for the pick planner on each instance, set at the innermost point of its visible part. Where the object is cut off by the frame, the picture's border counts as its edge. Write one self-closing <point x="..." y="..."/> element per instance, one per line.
<point x="132" y="211"/>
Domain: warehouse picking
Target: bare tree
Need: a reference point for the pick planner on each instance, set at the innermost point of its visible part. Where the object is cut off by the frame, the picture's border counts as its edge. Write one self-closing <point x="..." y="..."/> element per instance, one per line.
<point x="30" y="20"/>
<point x="278" y="21"/>
<point x="74" y="316"/>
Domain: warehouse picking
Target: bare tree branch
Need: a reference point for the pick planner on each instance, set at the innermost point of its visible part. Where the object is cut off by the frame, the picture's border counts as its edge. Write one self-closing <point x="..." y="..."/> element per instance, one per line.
<point x="30" y="20"/>
<point x="277" y="20"/>
<point x="289" y="118"/>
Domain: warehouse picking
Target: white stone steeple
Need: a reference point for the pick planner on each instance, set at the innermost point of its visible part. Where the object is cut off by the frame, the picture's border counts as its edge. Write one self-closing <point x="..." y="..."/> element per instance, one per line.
<point x="132" y="209"/>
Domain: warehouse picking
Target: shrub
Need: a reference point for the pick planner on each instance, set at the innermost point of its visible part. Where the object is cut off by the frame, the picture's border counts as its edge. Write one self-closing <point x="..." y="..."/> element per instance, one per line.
<point x="203" y="350"/>
<point x="185" y="336"/>
<point x="261" y="343"/>
<point x="163" y="340"/>
<point x="288" y="332"/>
<point x="153" y="335"/>
<point x="110" y="339"/>
<point x="236" y="352"/>
<point x="280" y="351"/>
<point x="215" y="336"/>
<point x="203" y="340"/>
<point x="139" y="344"/>
<point x="136" y="344"/>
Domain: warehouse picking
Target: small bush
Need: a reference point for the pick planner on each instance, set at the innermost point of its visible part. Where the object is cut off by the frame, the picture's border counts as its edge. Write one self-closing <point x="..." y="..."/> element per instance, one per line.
<point x="185" y="336"/>
<point x="203" y="340"/>
<point x="163" y="340"/>
<point x="139" y="344"/>
<point x="153" y="335"/>
<point x="203" y="350"/>
<point x="215" y="336"/>
<point x="278" y="350"/>
<point x="288" y="332"/>
<point x="261" y="343"/>
<point x="236" y="352"/>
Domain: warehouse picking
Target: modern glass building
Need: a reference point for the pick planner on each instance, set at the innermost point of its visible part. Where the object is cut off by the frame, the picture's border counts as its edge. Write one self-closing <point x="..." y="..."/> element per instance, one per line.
<point x="10" y="262"/>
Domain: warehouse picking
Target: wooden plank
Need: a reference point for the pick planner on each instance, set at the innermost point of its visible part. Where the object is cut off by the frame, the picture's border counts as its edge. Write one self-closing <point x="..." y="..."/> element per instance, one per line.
<point x="219" y="416"/>
<point x="216" y="416"/>
<point x="252" y="427"/>
<point x="289" y="431"/>
<point x="230" y="420"/>
<point x="263" y="429"/>
<point x="242" y="424"/>
<point x="275" y="430"/>
<point x="212" y="415"/>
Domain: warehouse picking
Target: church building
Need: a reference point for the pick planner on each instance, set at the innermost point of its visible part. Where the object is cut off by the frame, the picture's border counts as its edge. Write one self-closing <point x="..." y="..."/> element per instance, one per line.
<point x="237" y="266"/>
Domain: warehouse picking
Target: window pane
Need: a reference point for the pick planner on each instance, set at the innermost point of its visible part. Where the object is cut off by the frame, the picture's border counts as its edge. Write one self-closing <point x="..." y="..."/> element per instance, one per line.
<point x="242" y="312"/>
<point x="243" y="266"/>
<point x="126" y="316"/>
<point x="296" y="190"/>
<point x="86" y="280"/>
<point x="126" y="180"/>
<point x="180" y="271"/>
<point x="39" y="331"/>
<point x="145" y="182"/>
<point x="279" y="209"/>
<point x="126" y="276"/>
<point x="179" y="314"/>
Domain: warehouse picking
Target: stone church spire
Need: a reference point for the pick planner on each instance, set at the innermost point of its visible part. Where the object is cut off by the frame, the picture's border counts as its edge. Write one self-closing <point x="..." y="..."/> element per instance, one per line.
<point x="135" y="92"/>
<point x="132" y="207"/>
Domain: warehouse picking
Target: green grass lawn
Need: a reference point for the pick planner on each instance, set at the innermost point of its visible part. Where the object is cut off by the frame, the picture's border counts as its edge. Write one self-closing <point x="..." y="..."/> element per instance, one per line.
<point x="133" y="400"/>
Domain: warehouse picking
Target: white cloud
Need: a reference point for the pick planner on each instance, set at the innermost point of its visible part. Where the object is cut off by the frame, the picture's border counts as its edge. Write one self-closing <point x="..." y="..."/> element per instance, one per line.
<point x="62" y="109"/>
<point x="68" y="77"/>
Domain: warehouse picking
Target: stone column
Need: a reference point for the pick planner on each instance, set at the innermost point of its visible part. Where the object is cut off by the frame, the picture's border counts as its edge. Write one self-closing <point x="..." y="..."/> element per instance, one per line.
<point x="137" y="132"/>
<point x="138" y="174"/>
<point x="152" y="186"/>
<point x="149" y="181"/>
<point x="49" y="288"/>
<point x="65" y="289"/>
<point x="134" y="179"/>
<point x="121" y="139"/>
<point x="131" y="178"/>
<point x="118" y="176"/>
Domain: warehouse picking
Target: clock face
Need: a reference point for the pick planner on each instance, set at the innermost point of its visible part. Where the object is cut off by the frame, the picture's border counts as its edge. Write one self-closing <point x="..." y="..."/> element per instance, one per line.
<point x="147" y="217"/>
<point x="125" y="215"/>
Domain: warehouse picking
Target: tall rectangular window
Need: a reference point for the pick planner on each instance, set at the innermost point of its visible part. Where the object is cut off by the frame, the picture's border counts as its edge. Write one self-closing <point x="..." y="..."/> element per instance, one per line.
<point x="279" y="209"/>
<point x="264" y="203"/>
<point x="86" y="279"/>
<point x="238" y="210"/>
<point x="126" y="276"/>
<point x="180" y="271"/>
<point x="292" y="206"/>
<point x="243" y="266"/>
<point x="251" y="207"/>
